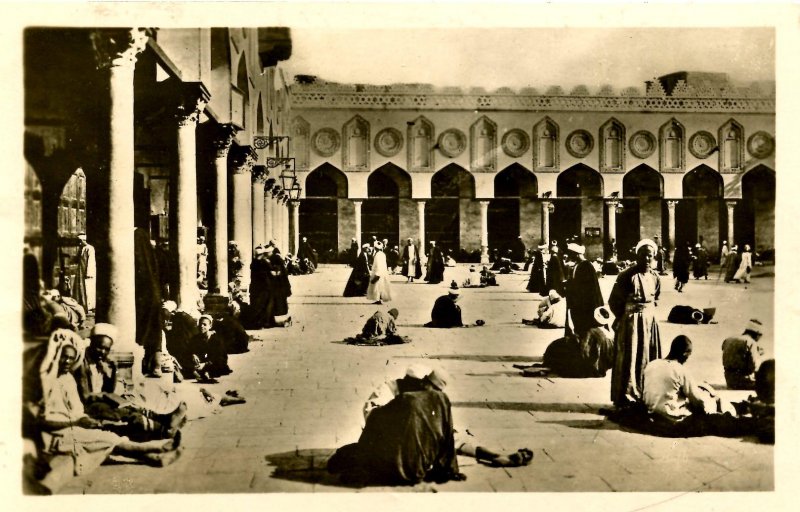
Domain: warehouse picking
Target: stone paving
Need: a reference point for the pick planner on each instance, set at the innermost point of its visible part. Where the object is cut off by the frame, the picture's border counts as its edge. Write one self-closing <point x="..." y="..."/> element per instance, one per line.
<point x="305" y="390"/>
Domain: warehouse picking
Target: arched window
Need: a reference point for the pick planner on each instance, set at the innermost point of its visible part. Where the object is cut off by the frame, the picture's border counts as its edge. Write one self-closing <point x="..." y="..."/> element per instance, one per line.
<point x="612" y="146"/>
<point x="731" y="141"/>
<point x="483" y="135"/>
<point x="671" y="142"/>
<point x="356" y="144"/>
<point x="545" y="136"/>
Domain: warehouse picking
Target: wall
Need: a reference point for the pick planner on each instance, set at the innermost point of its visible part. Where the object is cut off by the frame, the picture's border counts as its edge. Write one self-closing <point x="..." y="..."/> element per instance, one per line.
<point x="530" y="222"/>
<point x="409" y="220"/>
<point x="347" y="223"/>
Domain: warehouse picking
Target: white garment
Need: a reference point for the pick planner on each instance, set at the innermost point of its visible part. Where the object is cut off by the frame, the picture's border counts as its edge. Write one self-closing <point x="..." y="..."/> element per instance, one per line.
<point x="670" y="391"/>
<point x="747" y="262"/>
<point x="87" y="253"/>
<point x="379" y="290"/>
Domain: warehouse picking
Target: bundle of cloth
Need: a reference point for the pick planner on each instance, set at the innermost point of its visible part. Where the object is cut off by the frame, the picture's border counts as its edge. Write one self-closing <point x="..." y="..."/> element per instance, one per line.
<point x="688" y="315"/>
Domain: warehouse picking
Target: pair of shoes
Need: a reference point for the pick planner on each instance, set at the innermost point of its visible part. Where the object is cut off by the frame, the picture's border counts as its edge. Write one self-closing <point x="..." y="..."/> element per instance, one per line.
<point x="377" y="302"/>
<point x="287" y="322"/>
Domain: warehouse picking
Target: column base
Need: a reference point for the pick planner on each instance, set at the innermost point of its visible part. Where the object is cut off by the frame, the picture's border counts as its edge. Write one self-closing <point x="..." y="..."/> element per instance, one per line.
<point x="484" y="255"/>
<point x="215" y="304"/>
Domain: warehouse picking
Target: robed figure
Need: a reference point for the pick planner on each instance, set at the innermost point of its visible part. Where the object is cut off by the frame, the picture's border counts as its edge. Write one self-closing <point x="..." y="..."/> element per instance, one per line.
<point x="538" y="280"/>
<point x="412" y="267"/>
<point x="359" y="278"/>
<point x="85" y="290"/>
<point x="583" y="297"/>
<point x="378" y="289"/>
<point x="555" y="273"/>
<point x="435" y="265"/>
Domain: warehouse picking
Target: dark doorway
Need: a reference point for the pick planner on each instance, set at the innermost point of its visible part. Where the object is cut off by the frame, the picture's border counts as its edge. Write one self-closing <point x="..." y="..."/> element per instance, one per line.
<point x="579" y="205"/>
<point x="325" y="187"/>
<point x="514" y="190"/>
<point x="754" y="221"/>
<point x="380" y="214"/>
<point x="700" y="215"/>
<point x="642" y="190"/>
<point x="450" y="187"/>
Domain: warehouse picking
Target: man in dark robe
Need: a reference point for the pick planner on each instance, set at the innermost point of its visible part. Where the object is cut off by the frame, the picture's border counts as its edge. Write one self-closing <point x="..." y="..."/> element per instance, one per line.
<point x="732" y="263"/>
<point x="392" y="258"/>
<point x="352" y="253"/>
<point x="538" y="281"/>
<point x="179" y="330"/>
<point x="700" y="269"/>
<point x="148" y="298"/>
<point x="260" y="313"/>
<point x="555" y="272"/>
<point x="680" y="265"/>
<point x="446" y="313"/>
<point x="358" y="282"/>
<point x="518" y="250"/>
<point x="582" y="293"/>
<point x="306" y="251"/>
<point x="435" y="264"/>
<point x="281" y="289"/>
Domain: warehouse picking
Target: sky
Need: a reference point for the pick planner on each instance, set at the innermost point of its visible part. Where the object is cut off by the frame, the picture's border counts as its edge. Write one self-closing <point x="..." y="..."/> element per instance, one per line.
<point x="534" y="57"/>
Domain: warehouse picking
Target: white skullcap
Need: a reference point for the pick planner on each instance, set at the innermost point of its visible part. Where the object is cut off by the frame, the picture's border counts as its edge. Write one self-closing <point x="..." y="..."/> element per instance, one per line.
<point x="207" y="317"/>
<point x="418" y="371"/>
<point x="439" y="378"/>
<point x="576" y="248"/>
<point x="378" y="245"/>
<point x="646" y="242"/>
<point x="602" y="315"/>
<point x="260" y="249"/>
<point x="103" y="329"/>
<point x="542" y="246"/>
<point x="170" y="306"/>
<point x="554" y="296"/>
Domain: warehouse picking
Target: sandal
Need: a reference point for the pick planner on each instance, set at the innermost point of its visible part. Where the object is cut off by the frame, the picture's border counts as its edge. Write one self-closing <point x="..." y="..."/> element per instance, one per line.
<point x="161" y="460"/>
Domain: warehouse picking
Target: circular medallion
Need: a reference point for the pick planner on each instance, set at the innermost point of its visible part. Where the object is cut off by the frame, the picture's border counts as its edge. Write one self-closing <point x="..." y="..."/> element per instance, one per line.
<point x="452" y="142"/>
<point x="580" y="143"/>
<point x="325" y="142"/>
<point x="643" y="144"/>
<point x="701" y="144"/>
<point x="515" y="142"/>
<point x="760" y="145"/>
<point x="388" y="142"/>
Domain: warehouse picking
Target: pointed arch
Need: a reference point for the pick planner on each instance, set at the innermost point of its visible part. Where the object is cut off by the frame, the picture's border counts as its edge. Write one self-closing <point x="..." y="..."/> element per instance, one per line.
<point x="355" y="144"/>
<point x="643" y="181"/>
<point x="389" y="178"/>
<point x="579" y="181"/>
<point x="319" y="215"/>
<point x="515" y="181"/>
<point x="672" y="146"/>
<point x="703" y="182"/>
<point x="483" y="145"/>
<point x="546" y="137"/>
<point x="755" y="215"/>
<point x="453" y="181"/>
<point x="326" y="181"/>
<point x="612" y="146"/>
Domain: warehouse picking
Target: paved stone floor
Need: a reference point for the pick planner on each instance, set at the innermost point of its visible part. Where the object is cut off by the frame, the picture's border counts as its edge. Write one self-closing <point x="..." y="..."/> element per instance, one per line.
<point x="305" y="390"/>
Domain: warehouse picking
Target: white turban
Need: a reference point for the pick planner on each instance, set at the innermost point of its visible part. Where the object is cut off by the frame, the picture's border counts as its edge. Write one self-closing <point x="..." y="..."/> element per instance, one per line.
<point x="103" y="329"/>
<point x="645" y="242"/>
<point x="577" y="249"/>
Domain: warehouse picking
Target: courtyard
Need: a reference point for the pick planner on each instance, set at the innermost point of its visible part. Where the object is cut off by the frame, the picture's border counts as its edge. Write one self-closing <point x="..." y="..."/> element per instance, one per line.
<point x="305" y="390"/>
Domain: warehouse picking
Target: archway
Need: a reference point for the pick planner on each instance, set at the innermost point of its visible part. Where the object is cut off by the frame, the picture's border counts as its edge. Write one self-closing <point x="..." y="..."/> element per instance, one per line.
<point x="450" y="210"/>
<point x="700" y="215"/>
<point x="641" y="216"/>
<point x="513" y="212"/>
<point x="579" y="208"/>
<point x="387" y="186"/>
<point x="326" y="196"/>
<point x="755" y="215"/>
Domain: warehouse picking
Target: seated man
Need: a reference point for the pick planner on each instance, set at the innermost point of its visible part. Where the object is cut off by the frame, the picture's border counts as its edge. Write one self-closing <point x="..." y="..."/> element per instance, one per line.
<point x="209" y="358"/>
<point x="178" y="328"/>
<point x="681" y="406"/>
<point x="446" y="313"/>
<point x="551" y="313"/>
<point x="96" y="378"/>
<point x="379" y="329"/>
<point x="56" y="304"/>
<point x="741" y="357"/>
<point x="419" y="378"/>
<point x="488" y="278"/>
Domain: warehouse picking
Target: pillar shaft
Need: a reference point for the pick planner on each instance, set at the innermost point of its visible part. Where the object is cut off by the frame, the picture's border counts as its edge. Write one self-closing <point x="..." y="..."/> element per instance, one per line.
<point x="294" y="226"/>
<point x="192" y="99"/>
<point x="731" y="205"/>
<point x="357" y="205"/>
<point x="219" y="234"/>
<point x="612" y="224"/>
<point x="242" y="162"/>
<point x="258" y="210"/>
<point x="671" y="226"/>
<point x="421" y="217"/>
<point x="484" y="231"/>
<point x="116" y="52"/>
<point x="546" y="205"/>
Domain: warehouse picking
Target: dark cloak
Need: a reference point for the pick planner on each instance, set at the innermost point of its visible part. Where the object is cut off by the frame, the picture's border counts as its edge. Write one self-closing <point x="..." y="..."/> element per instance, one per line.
<point x="536" y="283"/>
<point x="279" y="285"/>
<point x="680" y="264"/>
<point x="445" y="313"/>
<point x="436" y="274"/>
<point x="591" y="356"/>
<point x="260" y="313"/>
<point x="555" y="275"/>
<point x="358" y="282"/>
<point x="148" y="295"/>
<point x="179" y="340"/>
<point x="583" y="297"/>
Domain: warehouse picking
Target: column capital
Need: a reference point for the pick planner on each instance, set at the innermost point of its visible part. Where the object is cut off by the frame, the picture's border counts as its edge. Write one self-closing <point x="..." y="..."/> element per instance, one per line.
<point x="118" y="47"/>
<point x="242" y="159"/>
<point x="485" y="202"/>
<point x="223" y="138"/>
<point x="612" y="203"/>
<point x="731" y="204"/>
<point x="672" y="203"/>
<point x="357" y="201"/>
<point x="191" y="99"/>
<point x="260" y="174"/>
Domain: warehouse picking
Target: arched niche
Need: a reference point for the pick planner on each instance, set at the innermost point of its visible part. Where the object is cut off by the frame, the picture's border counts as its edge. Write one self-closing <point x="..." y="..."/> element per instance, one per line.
<point x="731" y="147"/>
<point x="483" y="145"/>
<point x="355" y="145"/>
<point x="612" y="146"/>
<point x="546" y="136"/>
<point x="419" y="143"/>
<point x="301" y="134"/>
<point x="672" y="146"/>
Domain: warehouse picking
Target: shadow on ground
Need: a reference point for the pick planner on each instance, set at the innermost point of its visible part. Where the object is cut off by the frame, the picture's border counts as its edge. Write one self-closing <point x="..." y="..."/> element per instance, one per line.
<point x="308" y="466"/>
<point x="585" y="408"/>
<point x="481" y="358"/>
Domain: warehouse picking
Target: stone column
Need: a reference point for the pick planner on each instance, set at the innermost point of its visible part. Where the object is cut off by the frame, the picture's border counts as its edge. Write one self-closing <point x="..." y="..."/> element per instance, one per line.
<point x="671" y="227"/>
<point x="294" y="225"/>
<point x="546" y="207"/>
<point x="258" y="206"/>
<point x="421" y="217"/>
<point x="219" y="235"/>
<point x="484" y="232"/>
<point x="267" y="215"/>
<point x="612" y="223"/>
<point x="357" y="205"/>
<point x="285" y="227"/>
<point x="115" y="52"/>
<point x="242" y="159"/>
<point x="192" y="99"/>
<point x="731" y="205"/>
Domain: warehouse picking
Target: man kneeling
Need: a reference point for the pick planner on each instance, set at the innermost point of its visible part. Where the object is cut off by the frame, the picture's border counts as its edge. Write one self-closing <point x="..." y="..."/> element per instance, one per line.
<point x="379" y="329"/>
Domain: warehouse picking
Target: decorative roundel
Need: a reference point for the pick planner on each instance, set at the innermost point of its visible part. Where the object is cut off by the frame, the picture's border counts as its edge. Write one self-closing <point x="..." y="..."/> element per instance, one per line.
<point x="388" y="142"/>
<point x="515" y="142"/>
<point x="761" y="144"/>
<point x="642" y="144"/>
<point x="325" y="141"/>
<point x="701" y="144"/>
<point x="580" y="143"/>
<point x="452" y="142"/>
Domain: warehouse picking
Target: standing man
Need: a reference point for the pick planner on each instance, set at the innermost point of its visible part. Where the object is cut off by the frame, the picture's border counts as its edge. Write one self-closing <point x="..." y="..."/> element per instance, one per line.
<point x="85" y="286"/>
<point x="435" y="264"/>
<point x="518" y="250"/>
<point x="741" y="357"/>
<point x="582" y="293"/>
<point x="555" y="272"/>
<point x="412" y="267"/>
<point x="306" y="251"/>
